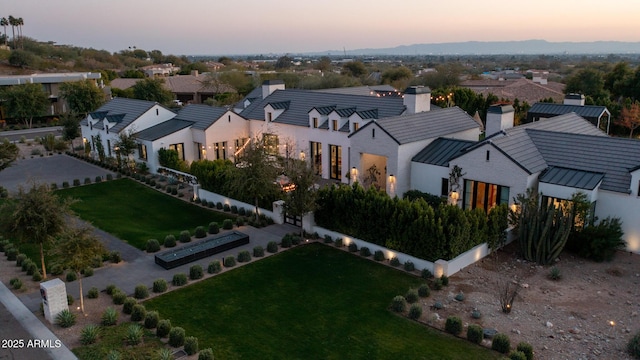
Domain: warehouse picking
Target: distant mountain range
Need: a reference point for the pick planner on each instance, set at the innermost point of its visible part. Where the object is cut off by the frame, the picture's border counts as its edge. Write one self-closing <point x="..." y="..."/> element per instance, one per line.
<point x="524" y="47"/>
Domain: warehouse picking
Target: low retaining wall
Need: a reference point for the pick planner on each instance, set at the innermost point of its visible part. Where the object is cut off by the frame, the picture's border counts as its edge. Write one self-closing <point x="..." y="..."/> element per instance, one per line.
<point x="277" y="214"/>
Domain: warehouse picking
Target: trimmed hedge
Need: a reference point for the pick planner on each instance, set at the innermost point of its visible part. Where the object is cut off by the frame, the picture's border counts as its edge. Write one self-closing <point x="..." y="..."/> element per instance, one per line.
<point x="214" y="267"/>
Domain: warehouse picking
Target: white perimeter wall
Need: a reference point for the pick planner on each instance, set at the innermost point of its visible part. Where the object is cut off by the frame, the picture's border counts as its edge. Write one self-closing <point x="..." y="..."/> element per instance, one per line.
<point x="627" y="208"/>
<point x="277" y="214"/>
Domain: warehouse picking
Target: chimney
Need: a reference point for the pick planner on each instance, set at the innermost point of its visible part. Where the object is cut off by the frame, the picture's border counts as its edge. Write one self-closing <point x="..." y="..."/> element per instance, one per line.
<point x="195" y="73"/>
<point x="269" y="86"/>
<point x="499" y="117"/>
<point x="417" y="99"/>
<point x="574" y="99"/>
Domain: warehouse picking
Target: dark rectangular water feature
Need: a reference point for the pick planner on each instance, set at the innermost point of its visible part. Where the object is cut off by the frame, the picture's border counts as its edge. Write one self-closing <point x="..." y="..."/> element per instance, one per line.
<point x="201" y="249"/>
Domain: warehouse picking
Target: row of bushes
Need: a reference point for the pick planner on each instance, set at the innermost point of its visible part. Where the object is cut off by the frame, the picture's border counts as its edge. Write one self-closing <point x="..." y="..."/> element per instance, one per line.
<point x="153" y="245"/>
<point x="412" y="227"/>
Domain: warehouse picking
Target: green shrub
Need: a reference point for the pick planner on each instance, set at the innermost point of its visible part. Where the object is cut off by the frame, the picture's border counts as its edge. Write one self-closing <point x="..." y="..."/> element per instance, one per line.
<point x="174" y="191"/>
<point x="179" y="279"/>
<point x="394" y="261"/>
<point x="87" y="181"/>
<point x="70" y="299"/>
<point x="110" y="177"/>
<point x="398" y="304"/>
<point x="598" y="242"/>
<point x="164" y="354"/>
<point x="89" y="334"/>
<point x="409" y="266"/>
<point x="339" y="242"/>
<point x="93" y="293"/>
<point x="219" y="205"/>
<point x="244" y="256"/>
<point x="134" y="334"/>
<point x="229" y="261"/>
<point x="424" y="291"/>
<point x="11" y="253"/>
<point x="555" y="274"/>
<point x="517" y="355"/>
<point x="110" y="289"/>
<point x="127" y="306"/>
<point x="98" y="179"/>
<point x="196" y="272"/>
<point x="214" y="267"/>
<point x="444" y="279"/>
<point x="272" y="247"/>
<point x="141" y="292"/>
<point x="286" y="241"/>
<point x="240" y="221"/>
<point x="87" y="272"/>
<point x="415" y="311"/>
<point x="453" y="325"/>
<point x="56" y="269"/>
<point x="185" y="236"/>
<point x="153" y="246"/>
<point x="226" y="208"/>
<point x="164" y="326"/>
<point x="633" y="346"/>
<point x="526" y="349"/>
<point x="119" y="297"/>
<point x="234" y="209"/>
<point x="159" y="285"/>
<point x="65" y="184"/>
<point x="169" y="241"/>
<point x="411" y="296"/>
<point x="352" y="247"/>
<point x="474" y="333"/>
<point x="200" y="232"/>
<point x="151" y="319"/>
<point x="138" y="312"/>
<point x="476" y="314"/>
<point x="20" y="258"/>
<point x="328" y="239"/>
<point x="3" y="244"/>
<point x="15" y="283"/>
<point x="214" y="228"/>
<point x="65" y="318"/>
<point x="365" y="252"/>
<point x="426" y="274"/>
<point x="115" y="257"/>
<point x="242" y="211"/>
<point x="190" y="345"/>
<point x="437" y="284"/>
<point x="109" y="317"/>
<point x="71" y="276"/>
<point x="501" y="343"/>
<point x="459" y="296"/>
<point x="37" y="276"/>
<point x="25" y="264"/>
<point x="378" y="255"/>
<point x="76" y="182"/>
<point x="258" y="251"/>
<point x="227" y="224"/>
<point x="54" y="186"/>
<point x="206" y="354"/>
<point x="96" y="262"/>
<point x="32" y="268"/>
<point x="176" y="336"/>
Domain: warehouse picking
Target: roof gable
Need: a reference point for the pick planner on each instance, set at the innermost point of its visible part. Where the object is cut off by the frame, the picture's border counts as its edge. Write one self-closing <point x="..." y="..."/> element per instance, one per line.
<point x="122" y="111"/>
<point x="202" y="116"/>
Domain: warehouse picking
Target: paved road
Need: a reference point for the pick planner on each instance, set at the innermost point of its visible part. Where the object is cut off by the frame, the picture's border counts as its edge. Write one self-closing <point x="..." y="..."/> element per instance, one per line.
<point x="30" y="134"/>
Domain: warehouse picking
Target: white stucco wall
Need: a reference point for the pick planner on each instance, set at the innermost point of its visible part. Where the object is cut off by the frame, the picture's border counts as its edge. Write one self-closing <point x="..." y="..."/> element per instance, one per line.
<point x="627" y="208"/>
<point x="428" y="178"/>
<point x="364" y="142"/>
<point x="229" y="127"/>
<point x="499" y="170"/>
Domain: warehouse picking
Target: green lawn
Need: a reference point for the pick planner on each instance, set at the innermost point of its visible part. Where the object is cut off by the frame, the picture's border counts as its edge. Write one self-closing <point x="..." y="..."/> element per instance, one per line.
<point x="311" y="302"/>
<point x="136" y="213"/>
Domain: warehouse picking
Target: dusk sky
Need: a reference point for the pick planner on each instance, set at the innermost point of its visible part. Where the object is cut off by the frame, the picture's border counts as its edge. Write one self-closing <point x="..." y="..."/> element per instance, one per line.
<point x="210" y="27"/>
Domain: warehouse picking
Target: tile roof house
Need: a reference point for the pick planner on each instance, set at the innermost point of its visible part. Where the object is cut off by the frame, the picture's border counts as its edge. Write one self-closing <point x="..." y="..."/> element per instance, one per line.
<point x="558" y="156"/>
<point x="599" y="116"/>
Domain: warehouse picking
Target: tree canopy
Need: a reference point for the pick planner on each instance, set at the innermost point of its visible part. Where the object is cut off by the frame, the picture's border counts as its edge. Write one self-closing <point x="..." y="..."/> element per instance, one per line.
<point x="8" y="153"/>
<point x="24" y="102"/>
<point x="82" y="97"/>
<point x="152" y="90"/>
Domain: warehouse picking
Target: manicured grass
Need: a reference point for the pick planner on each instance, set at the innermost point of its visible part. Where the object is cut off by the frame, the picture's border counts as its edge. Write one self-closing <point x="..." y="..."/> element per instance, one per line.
<point x="112" y="338"/>
<point x="312" y="301"/>
<point x="135" y="213"/>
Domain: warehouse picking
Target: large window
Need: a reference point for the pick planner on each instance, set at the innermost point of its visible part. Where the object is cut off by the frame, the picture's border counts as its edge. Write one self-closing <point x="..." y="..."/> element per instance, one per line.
<point x="316" y="156"/>
<point x="315" y="122"/>
<point x="240" y="146"/>
<point x="335" y="171"/>
<point x="444" y="188"/>
<point x="179" y="148"/>
<point x="270" y="143"/>
<point x="220" y="150"/>
<point x="334" y="125"/>
<point x="201" y="152"/>
<point x="484" y="195"/>
<point x="142" y="152"/>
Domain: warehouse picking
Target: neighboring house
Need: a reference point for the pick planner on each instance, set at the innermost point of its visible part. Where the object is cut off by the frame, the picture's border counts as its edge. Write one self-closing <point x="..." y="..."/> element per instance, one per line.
<point x="160" y="70"/>
<point x="557" y="156"/>
<point x="599" y="116"/>
<point x="522" y="89"/>
<point x="51" y="85"/>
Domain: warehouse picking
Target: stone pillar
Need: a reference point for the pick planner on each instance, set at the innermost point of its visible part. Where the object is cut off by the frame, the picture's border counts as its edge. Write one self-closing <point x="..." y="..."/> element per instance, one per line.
<point x="440" y="267"/>
<point x="54" y="298"/>
<point x="308" y="222"/>
<point x="278" y="212"/>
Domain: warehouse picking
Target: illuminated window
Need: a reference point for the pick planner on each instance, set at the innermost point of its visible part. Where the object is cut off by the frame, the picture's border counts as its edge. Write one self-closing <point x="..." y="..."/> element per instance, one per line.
<point x="315" y="123"/>
<point x="142" y="152"/>
<point x="316" y="156"/>
<point x="335" y="165"/>
<point x="220" y="150"/>
<point x="356" y="126"/>
<point x="334" y="125"/>
<point x="179" y="148"/>
<point x="270" y="143"/>
<point x="484" y="195"/>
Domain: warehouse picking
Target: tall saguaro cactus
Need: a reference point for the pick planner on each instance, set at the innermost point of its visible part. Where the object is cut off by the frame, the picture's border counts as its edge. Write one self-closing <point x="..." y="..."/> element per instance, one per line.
<point x="543" y="229"/>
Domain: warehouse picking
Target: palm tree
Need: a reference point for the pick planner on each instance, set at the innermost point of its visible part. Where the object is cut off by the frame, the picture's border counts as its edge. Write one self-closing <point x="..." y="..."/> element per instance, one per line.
<point x="12" y="22"/>
<point x="4" y="22"/>
<point x="20" y="23"/>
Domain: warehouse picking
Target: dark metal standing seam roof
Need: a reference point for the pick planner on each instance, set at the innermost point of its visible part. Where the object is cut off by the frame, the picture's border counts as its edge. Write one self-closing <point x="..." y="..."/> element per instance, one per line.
<point x="203" y="116"/>
<point x="163" y="129"/>
<point x="441" y="150"/>
<point x="590" y="112"/>
<point x="579" y="179"/>
<point x="303" y="101"/>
